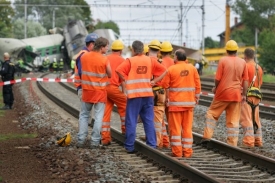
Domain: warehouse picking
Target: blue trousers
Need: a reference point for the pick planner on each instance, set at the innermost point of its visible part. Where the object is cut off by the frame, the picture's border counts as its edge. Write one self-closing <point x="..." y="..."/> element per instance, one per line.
<point x="143" y="106"/>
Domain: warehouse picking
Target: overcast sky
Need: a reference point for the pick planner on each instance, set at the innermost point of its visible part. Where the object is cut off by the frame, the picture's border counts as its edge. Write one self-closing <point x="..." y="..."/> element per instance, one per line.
<point x="192" y="20"/>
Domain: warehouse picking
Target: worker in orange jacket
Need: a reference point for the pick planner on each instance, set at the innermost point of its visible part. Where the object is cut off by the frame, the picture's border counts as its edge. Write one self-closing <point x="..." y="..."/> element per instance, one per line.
<point x="183" y="87"/>
<point x="137" y="71"/>
<point x="252" y="137"/>
<point x="231" y="73"/>
<point x="94" y="78"/>
<point x="114" y="94"/>
<point x="159" y="99"/>
<point x="166" y="51"/>
<point x="89" y="40"/>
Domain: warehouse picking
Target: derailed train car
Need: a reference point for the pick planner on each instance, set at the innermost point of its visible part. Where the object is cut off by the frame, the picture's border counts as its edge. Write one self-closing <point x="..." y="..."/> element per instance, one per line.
<point x="75" y="33"/>
<point x="33" y="50"/>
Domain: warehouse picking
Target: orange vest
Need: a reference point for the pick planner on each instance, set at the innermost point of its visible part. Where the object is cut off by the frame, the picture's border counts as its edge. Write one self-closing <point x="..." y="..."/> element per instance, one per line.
<point x="138" y="81"/>
<point x="94" y="75"/>
<point x="184" y="85"/>
<point x="77" y="80"/>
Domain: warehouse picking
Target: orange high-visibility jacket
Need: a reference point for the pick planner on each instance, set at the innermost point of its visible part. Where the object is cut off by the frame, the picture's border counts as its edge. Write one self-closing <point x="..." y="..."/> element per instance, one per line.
<point x="167" y="62"/>
<point x="94" y="75"/>
<point x="77" y="80"/>
<point x="183" y="83"/>
<point x="138" y="81"/>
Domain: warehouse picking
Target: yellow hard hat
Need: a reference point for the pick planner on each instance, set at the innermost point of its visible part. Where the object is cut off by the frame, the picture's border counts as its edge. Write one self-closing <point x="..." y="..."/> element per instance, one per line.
<point x="145" y="48"/>
<point x="231" y="45"/>
<point x="154" y="44"/>
<point x="117" y="45"/>
<point x="65" y="141"/>
<point x="166" y="46"/>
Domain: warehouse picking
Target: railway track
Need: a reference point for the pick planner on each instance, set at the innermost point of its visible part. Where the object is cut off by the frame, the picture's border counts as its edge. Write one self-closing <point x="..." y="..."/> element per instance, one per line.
<point x="267" y="89"/>
<point x="265" y="86"/>
<point x="216" y="162"/>
<point x="265" y="112"/>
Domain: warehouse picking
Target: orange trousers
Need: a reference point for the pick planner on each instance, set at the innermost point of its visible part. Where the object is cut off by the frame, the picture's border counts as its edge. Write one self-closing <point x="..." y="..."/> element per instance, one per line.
<point x="250" y="139"/>
<point x="114" y="96"/>
<point x="180" y="130"/>
<point x="233" y="112"/>
<point x="160" y="127"/>
<point x="165" y="135"/>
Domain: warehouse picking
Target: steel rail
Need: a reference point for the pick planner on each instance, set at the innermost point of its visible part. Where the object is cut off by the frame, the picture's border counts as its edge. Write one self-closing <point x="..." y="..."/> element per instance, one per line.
<point x="178" y="166"/>
<point x="265" y="86"/>
<point x="266" y="112"/>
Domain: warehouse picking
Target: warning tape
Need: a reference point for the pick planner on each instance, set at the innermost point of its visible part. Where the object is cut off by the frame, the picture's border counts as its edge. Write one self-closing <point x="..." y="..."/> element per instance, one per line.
<point x="36" y="79"/>
<point x="72" y="80"/>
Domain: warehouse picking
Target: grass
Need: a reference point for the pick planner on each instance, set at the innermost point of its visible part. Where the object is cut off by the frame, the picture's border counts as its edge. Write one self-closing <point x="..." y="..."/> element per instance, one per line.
<point x="269" y="78"/>
<point x="1" y="179"/>
<point x="16" y="136"/>
<point x="208" y="72"/>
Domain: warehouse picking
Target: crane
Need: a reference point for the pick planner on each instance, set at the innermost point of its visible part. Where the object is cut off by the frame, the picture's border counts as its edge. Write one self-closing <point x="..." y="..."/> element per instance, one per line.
<point x="227" y="21"/>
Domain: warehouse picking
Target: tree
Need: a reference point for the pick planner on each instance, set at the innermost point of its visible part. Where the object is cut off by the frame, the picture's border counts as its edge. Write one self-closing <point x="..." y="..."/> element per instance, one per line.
<point x="7" y="14"/>
<point x="255" y="13"/>
<point x="210" y="43"/>
<point x="258" y="14"/>
<point x="107" y="25"/>
<point x="243" y="37"/>
<point x="34" y="29"/>
<point x="61" y="15"/>
<point x="266" y="50"/>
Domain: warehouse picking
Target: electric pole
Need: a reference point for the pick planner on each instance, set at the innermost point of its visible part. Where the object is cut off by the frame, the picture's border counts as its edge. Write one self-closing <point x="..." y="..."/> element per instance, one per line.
<point x="181" y="15"/>
<point x="25" y="25"/>
<point x="203" y="17"/>
<point x="256" y="43"/>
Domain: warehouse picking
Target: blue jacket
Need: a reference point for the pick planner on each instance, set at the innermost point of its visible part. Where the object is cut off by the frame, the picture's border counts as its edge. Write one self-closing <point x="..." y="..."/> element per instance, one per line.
<point x="78" y="64"/>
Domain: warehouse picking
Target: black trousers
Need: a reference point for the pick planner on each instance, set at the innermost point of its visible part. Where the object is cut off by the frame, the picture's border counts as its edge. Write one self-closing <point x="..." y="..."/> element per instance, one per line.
<point x="8" y="95"/>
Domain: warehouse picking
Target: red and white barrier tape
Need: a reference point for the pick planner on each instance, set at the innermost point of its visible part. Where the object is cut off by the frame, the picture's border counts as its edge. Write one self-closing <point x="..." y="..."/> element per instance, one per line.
<point x="72" y="80"/>
<point x="36" y="79"/>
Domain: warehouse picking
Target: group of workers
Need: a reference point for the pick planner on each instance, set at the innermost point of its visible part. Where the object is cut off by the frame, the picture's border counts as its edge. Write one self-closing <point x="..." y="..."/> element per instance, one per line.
<point x="55" y="66"/>
<point x="149" y="87"/>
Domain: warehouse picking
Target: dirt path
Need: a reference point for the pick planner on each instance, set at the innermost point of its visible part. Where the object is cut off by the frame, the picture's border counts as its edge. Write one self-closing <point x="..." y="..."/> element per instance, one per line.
<point x="18" y="152"/>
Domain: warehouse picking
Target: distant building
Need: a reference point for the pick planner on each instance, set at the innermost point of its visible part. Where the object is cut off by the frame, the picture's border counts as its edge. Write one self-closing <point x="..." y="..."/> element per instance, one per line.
<point x="237" y="26"/>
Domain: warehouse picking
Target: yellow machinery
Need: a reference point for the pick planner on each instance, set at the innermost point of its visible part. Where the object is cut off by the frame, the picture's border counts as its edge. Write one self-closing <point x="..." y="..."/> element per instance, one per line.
<point x="215" y="54"/>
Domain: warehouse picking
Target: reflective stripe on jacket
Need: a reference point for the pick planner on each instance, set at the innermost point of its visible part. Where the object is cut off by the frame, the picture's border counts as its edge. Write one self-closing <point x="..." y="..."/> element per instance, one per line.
<point x="184" y="85"/>
<point x="94" y="75"/>
<point x="138" y="81"/>
<point x="77" y="80"/>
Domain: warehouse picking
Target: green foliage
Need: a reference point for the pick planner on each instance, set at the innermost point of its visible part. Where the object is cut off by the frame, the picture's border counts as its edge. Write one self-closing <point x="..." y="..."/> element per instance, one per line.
<point x="244" y="37"/>
<point x="266" y="50"/>
<point x="7" y="14"/>
<point x="45" y="14"/>
<point x="107" y="25"/>
<point x="210" y="43"/>
<point x="254" y="13"/>
<point x="268" y="78"/>
<point x="258" y="14"/>
<point x="34" y="29"/>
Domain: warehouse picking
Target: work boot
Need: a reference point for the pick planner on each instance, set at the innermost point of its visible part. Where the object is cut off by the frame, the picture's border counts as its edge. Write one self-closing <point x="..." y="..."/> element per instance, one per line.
<point x="244" y="146"/>
<point x="203" y="142"/>
<point x="78" y="145"/>
<point x="6" y="107"/>
<point x="143" y="138"/>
